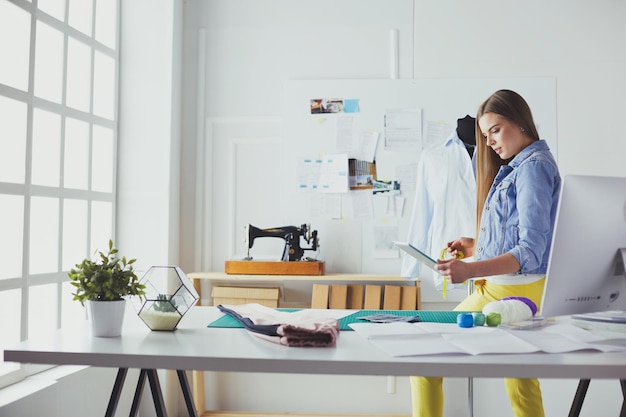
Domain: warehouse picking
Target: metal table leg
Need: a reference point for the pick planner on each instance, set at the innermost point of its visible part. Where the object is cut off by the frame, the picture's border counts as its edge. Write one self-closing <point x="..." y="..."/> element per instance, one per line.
<point x="155" y="388"/>
<point x="185" y="387"/>
<point x="470" y="396"/>
<point x="141" y="382"/>
<point x="157" y="394"/>
<point x="622" y="412"/>
<point x="579" y="398"/>
<point x="117" y="390"/>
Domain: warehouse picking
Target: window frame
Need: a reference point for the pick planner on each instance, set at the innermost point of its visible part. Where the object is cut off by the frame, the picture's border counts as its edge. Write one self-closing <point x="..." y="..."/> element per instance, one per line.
<point x="58" y="279"/>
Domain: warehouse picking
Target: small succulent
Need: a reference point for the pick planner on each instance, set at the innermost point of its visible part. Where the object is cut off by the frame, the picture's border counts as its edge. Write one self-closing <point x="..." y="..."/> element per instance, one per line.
<point x="165" y="303"/>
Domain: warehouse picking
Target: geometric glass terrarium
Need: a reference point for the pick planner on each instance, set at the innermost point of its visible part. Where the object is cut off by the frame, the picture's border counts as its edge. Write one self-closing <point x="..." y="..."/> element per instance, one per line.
<point x="169" y="295"/>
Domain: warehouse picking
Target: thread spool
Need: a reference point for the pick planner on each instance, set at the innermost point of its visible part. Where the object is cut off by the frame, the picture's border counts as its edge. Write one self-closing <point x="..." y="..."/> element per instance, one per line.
<point x="465" y="320"/>
<point x="493" y="319"/>
<point x="479" y="319"/>
<point x="511" y="309"/>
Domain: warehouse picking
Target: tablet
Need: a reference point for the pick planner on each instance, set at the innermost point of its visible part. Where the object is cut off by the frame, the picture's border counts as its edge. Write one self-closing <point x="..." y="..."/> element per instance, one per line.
<point x="417" y="254"/>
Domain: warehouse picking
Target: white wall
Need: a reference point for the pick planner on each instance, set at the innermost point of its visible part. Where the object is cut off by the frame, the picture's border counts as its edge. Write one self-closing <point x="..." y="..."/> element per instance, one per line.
<point x="149" y="136"/>
<point x="578" y="42"/>
<point x="252" y="46"/>
<point x="148" y="186"/>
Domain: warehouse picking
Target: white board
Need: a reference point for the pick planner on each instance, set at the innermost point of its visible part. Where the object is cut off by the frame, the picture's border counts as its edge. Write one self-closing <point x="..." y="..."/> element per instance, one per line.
<point x="441" y="100"/>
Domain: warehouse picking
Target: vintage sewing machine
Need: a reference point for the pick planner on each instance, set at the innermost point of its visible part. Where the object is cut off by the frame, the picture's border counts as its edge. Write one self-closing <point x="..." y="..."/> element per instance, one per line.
<point x="292" y="261"/>
<point x="290" y="234"/>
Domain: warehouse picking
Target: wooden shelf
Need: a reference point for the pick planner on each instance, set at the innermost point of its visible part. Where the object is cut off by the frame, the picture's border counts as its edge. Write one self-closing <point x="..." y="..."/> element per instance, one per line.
<point x="328" y="277"/>
<point x="241" y="280"/>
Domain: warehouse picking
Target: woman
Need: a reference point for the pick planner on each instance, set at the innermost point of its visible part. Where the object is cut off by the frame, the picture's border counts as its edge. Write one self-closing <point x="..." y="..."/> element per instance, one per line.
<point x="518" y="185"/>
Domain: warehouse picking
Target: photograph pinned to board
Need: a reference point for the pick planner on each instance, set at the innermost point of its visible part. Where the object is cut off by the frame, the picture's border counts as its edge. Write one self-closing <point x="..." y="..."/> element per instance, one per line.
<point x="361" y="174"/>
<point x="334" y="105"/>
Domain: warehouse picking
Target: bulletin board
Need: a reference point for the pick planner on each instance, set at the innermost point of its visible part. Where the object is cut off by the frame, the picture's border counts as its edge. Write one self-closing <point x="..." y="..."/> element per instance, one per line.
<point x="349" y="238"/>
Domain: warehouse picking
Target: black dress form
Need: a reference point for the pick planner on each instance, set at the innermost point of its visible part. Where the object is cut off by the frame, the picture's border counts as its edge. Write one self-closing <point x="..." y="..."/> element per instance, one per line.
<point x="466" y="130"/>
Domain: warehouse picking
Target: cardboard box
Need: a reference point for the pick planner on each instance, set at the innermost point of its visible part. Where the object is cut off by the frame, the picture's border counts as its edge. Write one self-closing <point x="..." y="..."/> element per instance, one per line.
<point x="409" y="299"/>
<point x="338" y="296"/>
<point x="319" y="296"/>
<point x="355" y="296"/>
<point x="373" y="295"/>
<point x="391" y="299"/>
<point x="241" y="295"/>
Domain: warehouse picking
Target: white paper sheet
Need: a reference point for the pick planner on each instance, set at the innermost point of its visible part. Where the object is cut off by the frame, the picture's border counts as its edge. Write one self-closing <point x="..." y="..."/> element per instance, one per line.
<point x="414" y="339"/>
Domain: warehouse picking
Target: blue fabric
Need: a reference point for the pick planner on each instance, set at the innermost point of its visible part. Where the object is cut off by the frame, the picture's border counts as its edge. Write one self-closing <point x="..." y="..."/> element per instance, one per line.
<point x="520" y="211"/>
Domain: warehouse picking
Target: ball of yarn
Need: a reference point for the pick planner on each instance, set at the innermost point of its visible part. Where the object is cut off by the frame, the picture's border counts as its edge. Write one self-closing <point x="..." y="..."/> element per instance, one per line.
<point x="465" y="320"/>
<point x="493" y="319"/>
<point x="479" y="319"/>
<point x="512" y="309"/>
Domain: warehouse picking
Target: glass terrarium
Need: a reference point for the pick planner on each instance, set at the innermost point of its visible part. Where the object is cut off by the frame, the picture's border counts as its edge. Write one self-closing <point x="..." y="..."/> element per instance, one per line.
<point x="170" y="294"/>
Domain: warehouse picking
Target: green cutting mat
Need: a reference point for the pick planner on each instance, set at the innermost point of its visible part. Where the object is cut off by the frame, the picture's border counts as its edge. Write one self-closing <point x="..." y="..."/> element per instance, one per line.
<point x="432" y="316"/>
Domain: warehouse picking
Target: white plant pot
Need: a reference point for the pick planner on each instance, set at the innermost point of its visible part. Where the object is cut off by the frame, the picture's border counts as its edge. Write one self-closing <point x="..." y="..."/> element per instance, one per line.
<point x="107" y="317"/>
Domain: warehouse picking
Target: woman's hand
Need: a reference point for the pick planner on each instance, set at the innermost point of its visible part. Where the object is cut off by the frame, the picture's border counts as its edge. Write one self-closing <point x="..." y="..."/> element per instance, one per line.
<point x="458" y="271"/>
<point x="455" y="270"/>
<point x="464" y="245"/>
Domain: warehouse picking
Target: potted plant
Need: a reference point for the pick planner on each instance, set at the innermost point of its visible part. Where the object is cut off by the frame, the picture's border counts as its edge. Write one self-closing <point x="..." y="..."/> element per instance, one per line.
<point x="103" y="284"/>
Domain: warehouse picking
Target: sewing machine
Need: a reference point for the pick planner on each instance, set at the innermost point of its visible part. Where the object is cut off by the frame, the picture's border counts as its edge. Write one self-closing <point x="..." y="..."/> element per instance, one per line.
<point x="291" y="235"/>
<point x="292" y="261"/>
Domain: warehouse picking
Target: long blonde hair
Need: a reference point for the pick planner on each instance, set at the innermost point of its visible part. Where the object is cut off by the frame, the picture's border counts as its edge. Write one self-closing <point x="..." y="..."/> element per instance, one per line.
<point x="511" y="106"/>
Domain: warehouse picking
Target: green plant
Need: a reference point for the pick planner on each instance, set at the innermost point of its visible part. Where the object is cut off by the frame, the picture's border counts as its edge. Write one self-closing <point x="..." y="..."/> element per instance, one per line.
<point x="165" y="303"/>
<point x="109" y="278"/>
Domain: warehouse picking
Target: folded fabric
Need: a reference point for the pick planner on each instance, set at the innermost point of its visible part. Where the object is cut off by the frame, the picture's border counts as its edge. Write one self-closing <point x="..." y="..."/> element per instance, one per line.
<point x="299" y="328"/>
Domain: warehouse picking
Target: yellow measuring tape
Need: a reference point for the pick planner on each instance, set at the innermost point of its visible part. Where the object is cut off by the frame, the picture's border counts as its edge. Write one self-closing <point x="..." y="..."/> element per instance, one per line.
<point x="442" y="255"/>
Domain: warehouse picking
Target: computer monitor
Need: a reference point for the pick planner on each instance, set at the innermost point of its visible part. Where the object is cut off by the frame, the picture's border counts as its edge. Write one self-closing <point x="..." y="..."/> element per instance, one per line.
<point x="586" y="265"/>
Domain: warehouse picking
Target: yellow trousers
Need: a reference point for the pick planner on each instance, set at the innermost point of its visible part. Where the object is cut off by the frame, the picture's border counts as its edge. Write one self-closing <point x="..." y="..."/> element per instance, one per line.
<point x="524" y="394"/>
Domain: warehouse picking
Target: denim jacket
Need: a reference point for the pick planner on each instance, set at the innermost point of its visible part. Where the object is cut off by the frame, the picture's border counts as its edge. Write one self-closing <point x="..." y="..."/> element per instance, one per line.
<point x="520" y="210"/>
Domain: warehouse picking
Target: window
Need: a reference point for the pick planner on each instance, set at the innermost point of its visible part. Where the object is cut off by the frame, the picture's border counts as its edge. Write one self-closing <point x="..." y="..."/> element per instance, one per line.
<point x="58" y="124"/>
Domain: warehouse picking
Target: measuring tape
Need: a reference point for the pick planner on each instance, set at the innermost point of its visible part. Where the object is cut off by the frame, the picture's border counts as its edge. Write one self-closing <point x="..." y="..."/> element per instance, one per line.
<point x="442" y="255"/>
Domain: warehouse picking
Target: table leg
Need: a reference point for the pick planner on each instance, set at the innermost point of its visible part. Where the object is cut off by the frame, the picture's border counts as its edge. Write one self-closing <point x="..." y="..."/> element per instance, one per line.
<point x="470" y="396"/>
<point x="579" y="397"/>
<point x="157" y="394"/>
<point x="622" y="412"/>
<point x="155" y="388"/>
<point x="117" y="390"/>
<point x="141" y="382"/>
<point x="186" y="389"/>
